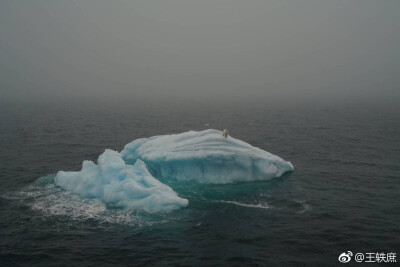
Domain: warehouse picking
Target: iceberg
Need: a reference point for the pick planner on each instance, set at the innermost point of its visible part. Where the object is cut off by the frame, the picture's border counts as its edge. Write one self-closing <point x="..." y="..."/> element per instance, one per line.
<point x="206" y="157"/>
<point x="120" y="185"/>
<point x="129" y="179"/>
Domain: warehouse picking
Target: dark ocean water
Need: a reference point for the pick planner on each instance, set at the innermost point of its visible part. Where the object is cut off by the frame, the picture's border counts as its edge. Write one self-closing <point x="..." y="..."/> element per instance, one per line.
<point x="343" y="195"/>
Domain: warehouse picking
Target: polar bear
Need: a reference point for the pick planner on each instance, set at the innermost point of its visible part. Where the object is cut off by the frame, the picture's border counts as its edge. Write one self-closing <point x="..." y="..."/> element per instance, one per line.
<point x="225" y="133"/>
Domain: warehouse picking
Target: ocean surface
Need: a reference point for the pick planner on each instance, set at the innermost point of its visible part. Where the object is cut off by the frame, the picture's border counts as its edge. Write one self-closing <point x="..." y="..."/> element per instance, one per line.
<point x="344" y="194"/>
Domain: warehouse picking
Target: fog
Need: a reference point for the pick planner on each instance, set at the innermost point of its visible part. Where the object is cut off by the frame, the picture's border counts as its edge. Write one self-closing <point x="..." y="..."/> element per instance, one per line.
<point x="300" y="51"/>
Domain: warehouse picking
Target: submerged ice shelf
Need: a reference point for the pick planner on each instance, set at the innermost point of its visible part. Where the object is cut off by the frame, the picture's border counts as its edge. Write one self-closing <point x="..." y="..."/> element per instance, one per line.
<point x="127" y="179"/>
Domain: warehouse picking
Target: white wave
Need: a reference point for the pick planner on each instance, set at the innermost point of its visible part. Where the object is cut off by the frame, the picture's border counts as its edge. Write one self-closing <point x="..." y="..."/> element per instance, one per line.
<point x="257" y="206"/>
<point x="306" y="208"/>
<point x="51" y="201"/>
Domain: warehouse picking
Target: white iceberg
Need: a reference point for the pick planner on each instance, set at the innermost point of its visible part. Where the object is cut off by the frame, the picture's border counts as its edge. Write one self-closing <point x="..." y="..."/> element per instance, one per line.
<point x="206" y="157"/>
<point x="120" y="185"/>
<point x="127" y="180"/>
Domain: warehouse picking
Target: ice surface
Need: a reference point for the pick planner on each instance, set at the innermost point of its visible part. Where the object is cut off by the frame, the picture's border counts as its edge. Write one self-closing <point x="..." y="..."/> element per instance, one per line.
<point x="206" y="157"/>
<point x="127" y="180"/>
<point x="120" y="185"/>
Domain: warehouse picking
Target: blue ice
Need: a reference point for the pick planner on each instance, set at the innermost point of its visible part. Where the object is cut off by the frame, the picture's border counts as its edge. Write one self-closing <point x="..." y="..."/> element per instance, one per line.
<point x="121" y="185"/>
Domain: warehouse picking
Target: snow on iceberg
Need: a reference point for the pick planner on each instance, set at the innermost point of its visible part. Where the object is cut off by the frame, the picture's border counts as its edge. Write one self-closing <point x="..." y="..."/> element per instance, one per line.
<point x="206" y="157"/>
<point x="120" y="185"/>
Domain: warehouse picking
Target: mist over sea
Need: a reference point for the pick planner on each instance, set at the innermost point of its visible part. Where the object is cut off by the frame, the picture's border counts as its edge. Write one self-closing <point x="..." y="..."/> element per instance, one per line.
<point x="343" y="194"/>
<point x="314" y="82"/>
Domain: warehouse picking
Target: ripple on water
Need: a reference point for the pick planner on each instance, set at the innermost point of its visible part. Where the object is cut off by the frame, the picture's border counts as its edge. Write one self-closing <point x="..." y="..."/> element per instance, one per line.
<point x="49" y="200"/>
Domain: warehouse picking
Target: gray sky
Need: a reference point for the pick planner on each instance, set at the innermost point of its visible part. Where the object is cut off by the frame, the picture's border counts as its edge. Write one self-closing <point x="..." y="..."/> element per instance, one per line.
<point x="273" y="51"/>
